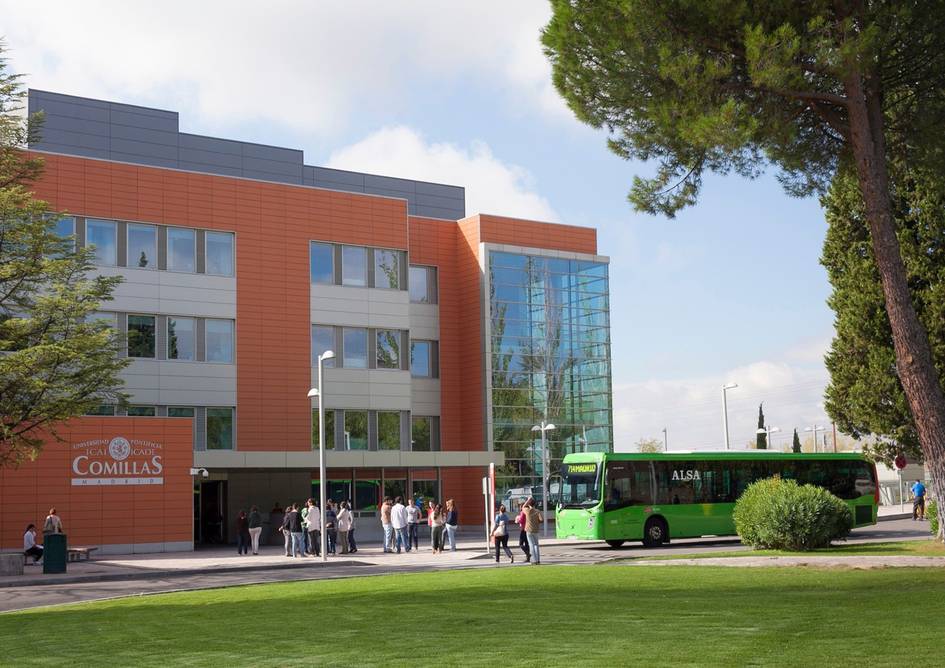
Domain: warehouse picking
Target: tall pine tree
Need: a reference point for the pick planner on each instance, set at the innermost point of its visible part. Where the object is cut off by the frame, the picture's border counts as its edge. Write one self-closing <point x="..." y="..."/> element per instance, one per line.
<point x="761" y="443"/>
<point x="796" y="443"/>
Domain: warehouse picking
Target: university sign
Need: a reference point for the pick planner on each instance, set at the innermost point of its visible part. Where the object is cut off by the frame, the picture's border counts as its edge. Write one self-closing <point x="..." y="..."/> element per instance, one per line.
<point x="118" y="461"/>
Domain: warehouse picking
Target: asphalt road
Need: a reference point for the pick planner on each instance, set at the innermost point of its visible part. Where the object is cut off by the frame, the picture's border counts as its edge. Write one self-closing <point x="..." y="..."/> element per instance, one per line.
<point x="17" y="598"/>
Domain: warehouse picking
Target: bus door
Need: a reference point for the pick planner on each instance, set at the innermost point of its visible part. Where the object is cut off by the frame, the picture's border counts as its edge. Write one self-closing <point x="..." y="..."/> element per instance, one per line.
<point x="628" y="491"/>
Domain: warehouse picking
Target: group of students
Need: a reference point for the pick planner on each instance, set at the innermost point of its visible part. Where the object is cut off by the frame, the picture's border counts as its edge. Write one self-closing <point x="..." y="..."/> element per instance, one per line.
<point x="301" y="527"/>
<point x="52" y="524"/>
<point x="529" y="521"/>
<point x="401" y="523"/>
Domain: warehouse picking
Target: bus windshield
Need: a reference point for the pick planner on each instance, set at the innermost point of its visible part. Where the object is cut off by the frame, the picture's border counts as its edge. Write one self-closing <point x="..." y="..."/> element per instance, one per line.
<point x="580" y="485"/>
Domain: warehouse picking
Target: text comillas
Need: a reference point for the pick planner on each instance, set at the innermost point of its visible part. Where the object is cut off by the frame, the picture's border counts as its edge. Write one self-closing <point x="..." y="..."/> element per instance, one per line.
<point x="117" y="461"/>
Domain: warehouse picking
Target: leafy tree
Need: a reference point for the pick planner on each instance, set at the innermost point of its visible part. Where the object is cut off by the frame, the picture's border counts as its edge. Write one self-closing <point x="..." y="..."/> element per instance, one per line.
<point x="56" y="363"/>
<point x="761" y="442"/>
<point x="651" y="445"/>
<point x="865" y="396"/>
<point x="814" y="88"/>
<point x="796" y="443"/>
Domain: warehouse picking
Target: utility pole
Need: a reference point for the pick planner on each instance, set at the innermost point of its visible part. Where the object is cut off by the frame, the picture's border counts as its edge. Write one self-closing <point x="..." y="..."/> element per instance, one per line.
<point x="665" y="443"/>
<point x="725" y="388"/>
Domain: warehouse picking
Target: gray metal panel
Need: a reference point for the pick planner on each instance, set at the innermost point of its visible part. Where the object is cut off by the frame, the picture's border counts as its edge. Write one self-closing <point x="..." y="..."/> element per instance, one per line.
<point x="149" y="135"/>
<point x="308" y="175"/>
<point x="143" y="149"/>
<point x="162" y="247"/>
<point x="200" y="428"/>
<point x="208" y="158"/>
<point x="371" y="269"/>
<point x="211" y="144"/>
<point x="338" y="176"/>
<point x="372" y="349"/>
<point x="143" y="118"/>
<point x="275" y="153"/>
<point x="64" y="136"/>
<point x="372" y="182"/>
<point x="440" y="212"/>
<point x="80" y="232"/>
<point x="201" y="252"/>
<point x="161" y="411"/>
<point x="440" y="190"/>
<point x="200" y="333"/>
<point x="435" y="359"/>
<point x="405" y="350"/>
<point x="406" y="434"/>
<point x="160" y="335"/>
<point x="122" y="324"/>
<point x="121" y="250"/>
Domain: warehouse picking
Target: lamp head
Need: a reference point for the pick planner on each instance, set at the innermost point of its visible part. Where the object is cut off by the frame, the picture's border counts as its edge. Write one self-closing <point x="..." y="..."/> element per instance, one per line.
<point x="313" y="393"/>
<point x="327" y="355"/>
<point x="729" y="386"/>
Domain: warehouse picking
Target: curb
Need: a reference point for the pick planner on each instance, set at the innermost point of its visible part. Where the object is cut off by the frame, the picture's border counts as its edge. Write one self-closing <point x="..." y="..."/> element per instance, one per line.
<point x="147" y="574"/>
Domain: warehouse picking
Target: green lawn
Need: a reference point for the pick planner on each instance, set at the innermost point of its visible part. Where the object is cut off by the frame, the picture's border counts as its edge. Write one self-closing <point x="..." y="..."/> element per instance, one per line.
<point x="911" y="548"/>
<point x="536" y="616"/>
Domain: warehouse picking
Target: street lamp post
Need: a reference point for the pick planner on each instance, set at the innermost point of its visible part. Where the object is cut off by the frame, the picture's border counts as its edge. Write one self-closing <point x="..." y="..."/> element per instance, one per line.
<point x="767" y="431"/>
<point x="725" y="388"/>
<point x="814" y="430"/>
<point x="543" y="427"/>
<point x="665" y="441"/>
<point x="322" y="496"/>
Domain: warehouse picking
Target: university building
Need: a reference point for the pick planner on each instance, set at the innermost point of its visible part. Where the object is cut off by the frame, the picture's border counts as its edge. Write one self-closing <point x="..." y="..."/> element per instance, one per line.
<point x="454" y="335"/>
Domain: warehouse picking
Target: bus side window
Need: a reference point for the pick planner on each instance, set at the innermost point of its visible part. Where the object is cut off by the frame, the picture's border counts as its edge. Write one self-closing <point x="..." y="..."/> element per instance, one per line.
<point x="642" y="488"/>
<point x="619" y="477"/>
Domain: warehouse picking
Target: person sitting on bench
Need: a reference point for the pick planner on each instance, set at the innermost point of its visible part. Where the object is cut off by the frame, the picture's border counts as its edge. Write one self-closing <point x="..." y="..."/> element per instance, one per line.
<point x="29" y="544"/>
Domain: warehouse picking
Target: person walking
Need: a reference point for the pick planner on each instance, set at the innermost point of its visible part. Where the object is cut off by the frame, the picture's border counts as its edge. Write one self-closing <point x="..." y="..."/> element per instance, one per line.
<point x="52" y="524"/>
<point x="294" y="524"/>
<point x="303" y="513"/>
<point x="285" y="530"/>
<point x="314" y="528"/>
<point x="331" y="526"/>
<point x="30" y="548"/>
<point x="242" y="533"/>
<point x="352" y="544"/>
<point x="413" y="524"/>
<point x="500" y="533"/>
<point x="255" y="527"/>
<point x="386" y="525"/>
<point x="533" y="521"/>
<point x="522" y="536"/>
<point x="438" y="521"/>
<point x="431" y="507"/>
<point x="452" y="523"/>
<point x="918" y="503"/>
<point x="344" y="525"/>
<point x="398" y="520"/>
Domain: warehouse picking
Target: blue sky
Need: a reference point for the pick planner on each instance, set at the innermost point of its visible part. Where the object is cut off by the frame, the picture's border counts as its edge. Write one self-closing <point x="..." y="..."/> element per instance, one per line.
<point x="730" y="290"/>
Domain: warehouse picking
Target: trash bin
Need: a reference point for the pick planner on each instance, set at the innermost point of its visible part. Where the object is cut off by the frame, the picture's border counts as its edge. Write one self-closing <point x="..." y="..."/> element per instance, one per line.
<point x="54" y="553"/>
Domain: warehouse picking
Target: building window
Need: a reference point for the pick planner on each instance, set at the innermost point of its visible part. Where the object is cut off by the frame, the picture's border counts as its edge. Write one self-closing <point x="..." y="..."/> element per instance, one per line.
<point x="181" y="249"/>
<point x="142" y="411"/>
<point x="180" y="411"/>
<point x="422" y="284"/>
<point x="110" y="319"/>
<point x="421" y="438"/>
<point x="65" y="227"/>
<point x="141" y="336"/>
<point x="329" y="429"/>
<point x="181" y="342"/>
<point x="421" y="359"/>
<point x="219" y="253"/>
<point x="219" y="429"/>
<point x="219" y="338"/>
<point x="386" y="269"/>
<point x="102" y="234"/>
<point x="354" y="266"/>
<point x="322" y="263"/>
<point x="102" y="409"/>
<point x="388" y="430"/>
<point x="355" y="347"/>
<point x="142" y="246"/>
<point x="323" y="340"/>
<point x="356" y="430"/>
<point x="388" y="349"/>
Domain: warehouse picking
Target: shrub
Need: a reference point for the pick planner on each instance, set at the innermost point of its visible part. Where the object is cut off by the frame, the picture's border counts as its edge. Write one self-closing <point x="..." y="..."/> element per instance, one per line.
<point x="931" y="514"/>
<point x="780" y="514"/>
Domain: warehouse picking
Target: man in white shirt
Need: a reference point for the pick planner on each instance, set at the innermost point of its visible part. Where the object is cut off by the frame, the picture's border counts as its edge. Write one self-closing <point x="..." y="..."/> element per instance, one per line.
<point x="29" y="544"/>
<point x="314" y="528"/>
<point x="398" y="520"/>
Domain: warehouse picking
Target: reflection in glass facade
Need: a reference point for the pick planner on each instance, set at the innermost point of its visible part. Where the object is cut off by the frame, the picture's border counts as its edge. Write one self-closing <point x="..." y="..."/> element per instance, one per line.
<point x="550" y="344"/>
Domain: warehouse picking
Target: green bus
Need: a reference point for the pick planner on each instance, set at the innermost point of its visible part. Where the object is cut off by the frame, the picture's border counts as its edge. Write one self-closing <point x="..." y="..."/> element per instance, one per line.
<point x="654" y="497"/>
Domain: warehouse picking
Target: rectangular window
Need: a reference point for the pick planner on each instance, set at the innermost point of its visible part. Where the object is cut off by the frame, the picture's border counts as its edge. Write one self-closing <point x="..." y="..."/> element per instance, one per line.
<point x="181" y="249"/>
<point x="102" y="409"/>
<point x="141" y="336"/>
<point x="323" y="340"/>
<point x="181" y="344"/>
<point x="219" y="340"/>
<point x="388" y="430"/>
<point x="322" y="263"/>
<point x="110" y="319"/>
<point x="103" y="235"/>
<point x="219" y="253"/>
<point x="142" y="411"/>
<point x="142" y="246"/>
<point x="65" y="226"/>
<point x="388" y="349"/>
<point x="421" y="359"/>
<point x="329" y="429"/>
<point x="386" y="269"/>
<point x="422" y="284"/>
<point x="219" y="429"/>
<point x="355" y="347"/>
<point x="354" y="266"/>
<point x="420" y="437"/>
<point x="356" y="430"/>
<point x="180" y="411"/>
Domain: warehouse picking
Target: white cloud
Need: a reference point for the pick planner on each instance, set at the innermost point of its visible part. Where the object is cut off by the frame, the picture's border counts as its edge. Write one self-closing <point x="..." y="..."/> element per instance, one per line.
<point x="492" y="186"/>
<point x="308" y="66"/>
<point x="691" y="409"/>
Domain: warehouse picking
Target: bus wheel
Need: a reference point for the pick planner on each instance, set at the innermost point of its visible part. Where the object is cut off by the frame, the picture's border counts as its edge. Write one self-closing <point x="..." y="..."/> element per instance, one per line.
<point x="616" y="543"/>
<point x="655" y="532"/>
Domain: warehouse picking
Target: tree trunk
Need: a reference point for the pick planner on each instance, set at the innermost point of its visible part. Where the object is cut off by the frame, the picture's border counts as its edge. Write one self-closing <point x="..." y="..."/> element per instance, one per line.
<point x="917" y="373"/>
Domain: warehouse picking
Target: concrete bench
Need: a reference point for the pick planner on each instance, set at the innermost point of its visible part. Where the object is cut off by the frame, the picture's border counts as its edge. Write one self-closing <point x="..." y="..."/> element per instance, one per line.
<point x="11" y="563"/>
<point x="79" y="553"/>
